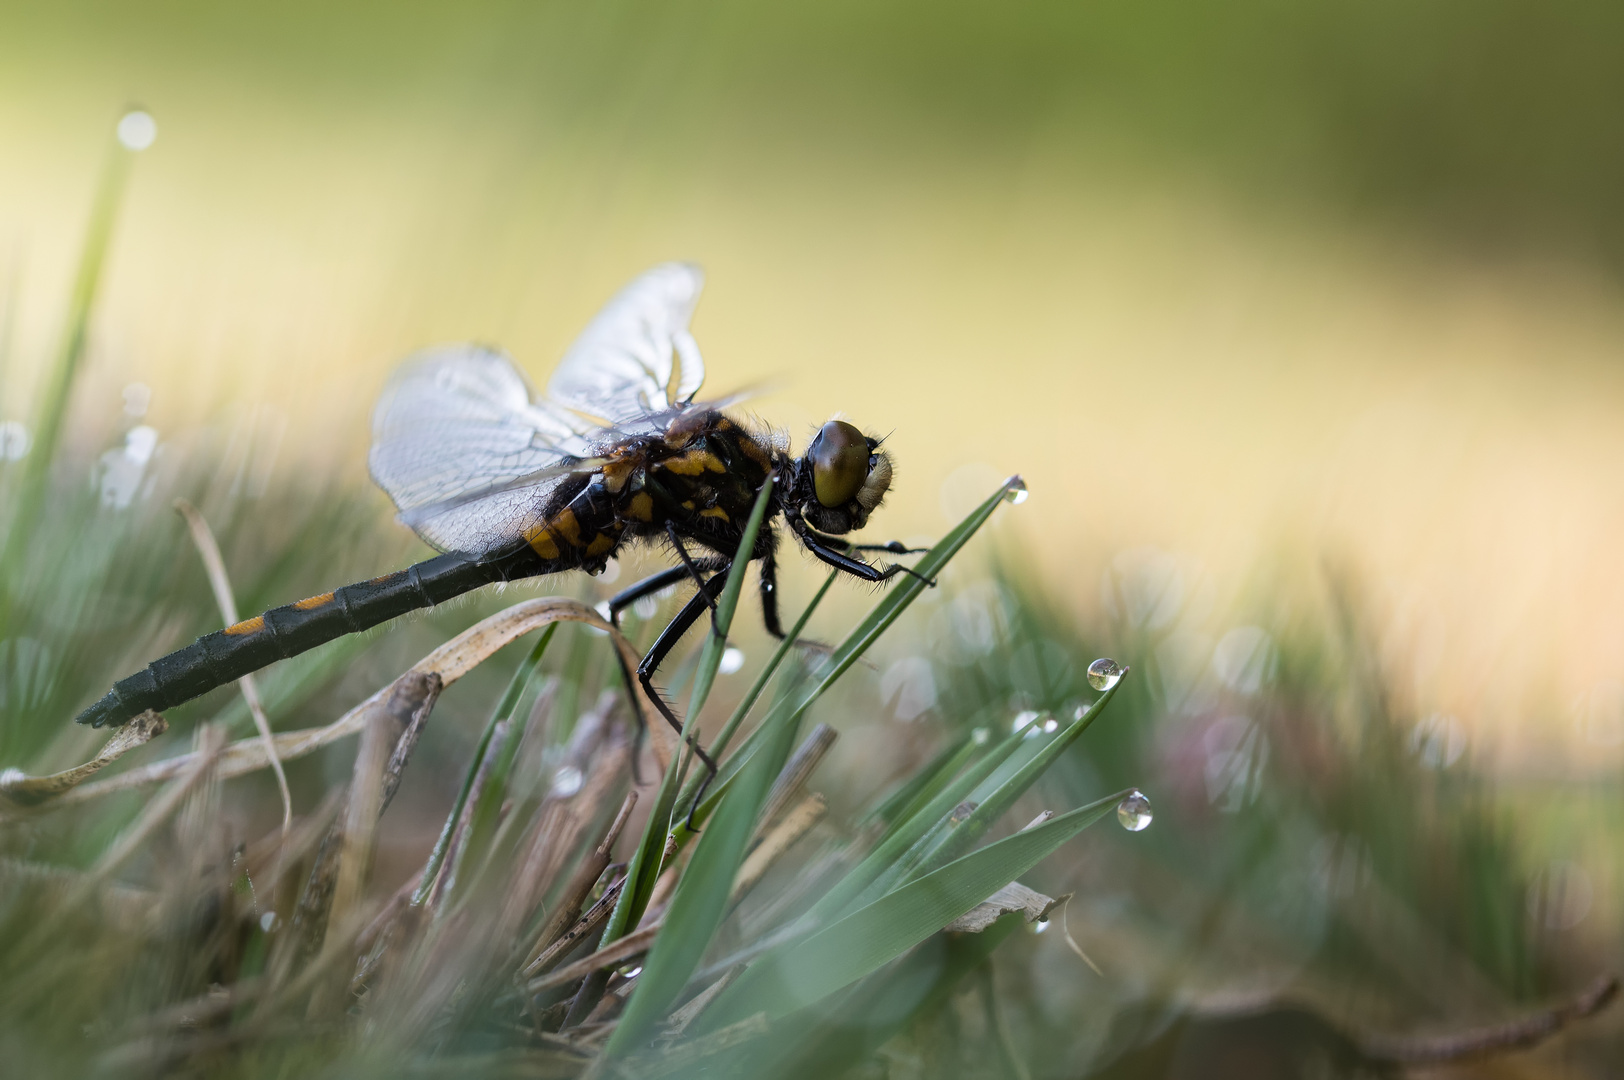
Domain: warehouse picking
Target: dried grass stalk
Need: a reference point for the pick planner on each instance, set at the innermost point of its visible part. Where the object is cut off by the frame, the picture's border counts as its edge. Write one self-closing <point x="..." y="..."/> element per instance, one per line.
<point x="450" y="662"/>
<point x="215" y="566"/>
<point x="22" y="790"/>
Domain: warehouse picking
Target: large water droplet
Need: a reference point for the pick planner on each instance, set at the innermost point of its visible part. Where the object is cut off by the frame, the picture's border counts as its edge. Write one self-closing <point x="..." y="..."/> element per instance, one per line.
<point x="566" y="782"/>
<point x="1134" y="811"/>
<point x="1024" y="719"/>
<point x="1104" y="673"/>
<point x="1040" y="926"/>
<point x="1015" y="490"/>
<point x="732" y="660"/>
<point x="137" y="129"/>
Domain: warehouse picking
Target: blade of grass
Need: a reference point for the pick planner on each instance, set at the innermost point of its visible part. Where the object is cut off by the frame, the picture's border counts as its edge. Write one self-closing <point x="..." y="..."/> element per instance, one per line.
<point x="958" y="840"/>
<point x="746" y="703"/>
<point x="510" y="699"/>
<point x="914" y="794"/>
<point x="701" y="900"/>
<point x="644" y="869"/>
<point x="58" y="386"/>
<point x="878" y="933"/>
<point x="877" y="867"/>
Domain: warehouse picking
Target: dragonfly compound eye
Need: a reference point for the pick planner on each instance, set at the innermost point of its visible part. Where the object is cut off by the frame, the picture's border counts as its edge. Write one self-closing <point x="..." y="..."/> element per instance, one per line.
<point x="839" y="457"/>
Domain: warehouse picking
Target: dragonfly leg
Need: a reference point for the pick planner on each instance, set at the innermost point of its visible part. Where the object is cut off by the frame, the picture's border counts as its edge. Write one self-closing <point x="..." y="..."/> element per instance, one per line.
<point x="690" y="613"/>
<point x="895" y="547"/>
<point x="769" y="595"/>
<point x="650" y="585"/>
<point x="858" y="568"/>
<point x="690" y="565"/>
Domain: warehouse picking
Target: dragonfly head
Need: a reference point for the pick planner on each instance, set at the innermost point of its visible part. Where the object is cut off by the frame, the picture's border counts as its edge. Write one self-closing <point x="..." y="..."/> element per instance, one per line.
<point x="842" y="478"/>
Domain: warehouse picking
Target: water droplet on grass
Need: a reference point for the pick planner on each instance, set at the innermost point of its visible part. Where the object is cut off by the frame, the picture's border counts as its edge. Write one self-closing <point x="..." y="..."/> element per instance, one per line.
<point x="1040" y="926"/>
<point x="1104" y="673"/>
<point x="566" y="782"/>
<point x="732" y="660"/>
<point x="137" y="129"/>
<point x="14" y="440"/>
<point x="1023" y="719"/>
<point x="1134" y="812"/>
<point x="1015" y="491"/>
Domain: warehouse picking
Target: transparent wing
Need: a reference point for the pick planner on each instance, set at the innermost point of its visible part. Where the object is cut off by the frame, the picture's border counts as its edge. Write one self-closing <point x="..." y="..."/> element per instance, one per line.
<point x="636" y="359"/>
<point x="465" y="453"/>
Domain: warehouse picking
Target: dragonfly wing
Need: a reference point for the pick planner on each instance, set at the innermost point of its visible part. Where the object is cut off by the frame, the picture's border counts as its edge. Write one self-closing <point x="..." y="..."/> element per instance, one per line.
<point x="465" y="453"/>
<point x="636" y="359"/>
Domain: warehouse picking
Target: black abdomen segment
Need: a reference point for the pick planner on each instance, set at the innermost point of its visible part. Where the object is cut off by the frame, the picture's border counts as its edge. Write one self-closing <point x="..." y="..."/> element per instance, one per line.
<point x="227" y="655"/>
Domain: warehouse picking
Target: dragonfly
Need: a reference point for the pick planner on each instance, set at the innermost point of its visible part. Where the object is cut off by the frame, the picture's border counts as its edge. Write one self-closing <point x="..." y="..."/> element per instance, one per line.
<point x="507" y="485"/>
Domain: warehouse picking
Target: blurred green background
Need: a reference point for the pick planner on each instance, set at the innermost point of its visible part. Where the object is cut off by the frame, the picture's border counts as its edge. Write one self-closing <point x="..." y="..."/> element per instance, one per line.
<point x="1279" y="302"/>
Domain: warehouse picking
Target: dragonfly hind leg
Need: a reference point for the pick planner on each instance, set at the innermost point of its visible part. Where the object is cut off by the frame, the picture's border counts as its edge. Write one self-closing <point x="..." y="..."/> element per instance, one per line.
<point x="690" y="613"/>
<point x="654" y="583"/>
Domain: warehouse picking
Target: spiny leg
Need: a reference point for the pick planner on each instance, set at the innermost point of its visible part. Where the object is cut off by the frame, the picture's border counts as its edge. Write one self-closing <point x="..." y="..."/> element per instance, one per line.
<point x="690" y="565"/>
<point x="895" y="547"/>
<point x="652" y="584"/>
<point x="858" y="568"/>
<point x="690" y="613"/>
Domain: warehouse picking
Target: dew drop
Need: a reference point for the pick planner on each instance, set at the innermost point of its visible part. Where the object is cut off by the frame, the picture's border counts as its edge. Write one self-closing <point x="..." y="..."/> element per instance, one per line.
<point x="137" y="129"/>
<point x="980" y="736"/>
<point x="1134" y="811"/>
<point x="1104" y="673"/>
<point x="14" y="440"/>
<point x="566" y="782"/>
<point x="1051" y="725"/>
<point x="1040" y="926"/>
<point x="268" y="922"/>
<point x="732" y="660"/>
<point x="1023" y="719"/>
<point x="1015" y="491"/>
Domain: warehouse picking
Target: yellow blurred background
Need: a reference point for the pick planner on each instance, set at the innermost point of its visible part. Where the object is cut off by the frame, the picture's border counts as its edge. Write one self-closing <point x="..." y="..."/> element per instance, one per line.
<point x="1266" y="290"/>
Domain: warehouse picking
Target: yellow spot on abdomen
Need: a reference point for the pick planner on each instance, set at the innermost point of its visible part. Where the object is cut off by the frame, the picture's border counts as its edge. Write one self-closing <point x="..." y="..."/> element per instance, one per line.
<point x="247" y="626"/>
<point x="641" y="507"/>
<point x="601" y="545"/>
<point x="566" y="526"/>
<point x="694" y="462"/>
<point x="542" y="543"/>
<point x="314" y="602"/>
<point x="715" y="512"/>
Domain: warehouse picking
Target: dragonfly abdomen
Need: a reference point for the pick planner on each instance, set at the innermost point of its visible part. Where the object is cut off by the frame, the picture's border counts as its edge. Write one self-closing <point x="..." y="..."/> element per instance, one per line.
<point x="227" y="655"/>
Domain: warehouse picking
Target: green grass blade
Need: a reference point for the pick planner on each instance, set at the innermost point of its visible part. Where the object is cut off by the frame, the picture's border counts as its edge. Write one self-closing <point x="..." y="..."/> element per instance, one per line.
<point x="915" y="794"/>
<point x="700" y="902"/>
<point x="878" y="868"/>
<point x="644" y="868"/>
<point x="710" y="656"/>
<point x="873" y="936"/>
<point x="958" y="840"/>
<point x="510" y="700"/>
<point x="746" y="703"/>
<point x="58" y="385"/>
